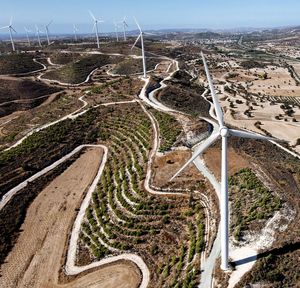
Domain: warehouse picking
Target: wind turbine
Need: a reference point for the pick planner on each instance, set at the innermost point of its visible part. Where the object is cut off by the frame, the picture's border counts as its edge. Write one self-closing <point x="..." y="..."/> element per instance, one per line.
<point x="96" y="21"/>
<point x="27" y="35"/>
<point x="223" y="133"/>
<point x="143" y="50"/>
<point x="47" y="31"/>
<point x="116" y="31"/>
<point x="10" y="28"/>
<point x="38" y="31"/>
<point x="125" y="25"/>
<point x="75" y="30"/>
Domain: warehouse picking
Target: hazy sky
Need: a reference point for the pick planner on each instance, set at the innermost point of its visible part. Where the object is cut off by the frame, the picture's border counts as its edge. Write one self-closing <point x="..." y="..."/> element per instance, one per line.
<point x="152" y="14"/>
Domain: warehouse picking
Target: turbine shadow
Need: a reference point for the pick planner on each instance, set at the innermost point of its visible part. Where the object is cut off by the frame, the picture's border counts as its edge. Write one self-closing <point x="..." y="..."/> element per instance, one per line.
<point x="288" y="248"/>
<point x="245" y="260"/>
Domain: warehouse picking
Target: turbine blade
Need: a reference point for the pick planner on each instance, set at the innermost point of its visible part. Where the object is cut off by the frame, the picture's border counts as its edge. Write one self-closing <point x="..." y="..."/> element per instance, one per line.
<point x="150" y="34"/>
<point x="10" y="22"/>
<point x="92" y="15"/>
<point x="136" y="22"/>
<point x="218" y="109"/>
<point x="249" y="135"/>
<point x="124" y="22"/>
<point x="213" y="138"/>
<point x="12" y="28"/>
<point x="4" y="27"/>
<point x="49" y="23"/>
<point x="137" y="39"/>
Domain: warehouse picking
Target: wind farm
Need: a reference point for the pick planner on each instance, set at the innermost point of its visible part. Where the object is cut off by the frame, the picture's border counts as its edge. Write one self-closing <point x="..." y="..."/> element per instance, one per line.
<point x="134" y="154"/>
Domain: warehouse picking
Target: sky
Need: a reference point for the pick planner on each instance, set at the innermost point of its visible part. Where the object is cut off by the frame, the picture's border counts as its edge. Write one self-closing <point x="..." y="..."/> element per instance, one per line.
<point x="152" y="14"/>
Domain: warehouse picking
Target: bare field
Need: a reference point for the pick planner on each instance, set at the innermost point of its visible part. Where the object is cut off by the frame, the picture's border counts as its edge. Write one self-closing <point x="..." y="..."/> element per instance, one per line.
<point x="37" y="256"/>
<point x="236" y="162"/>
<point x="278" y="81"/>
<point x="166" y="166"/>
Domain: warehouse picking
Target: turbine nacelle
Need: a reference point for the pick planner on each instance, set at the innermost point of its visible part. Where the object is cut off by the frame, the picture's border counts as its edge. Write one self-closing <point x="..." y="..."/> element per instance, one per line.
<point x="95" y="27"/>
<point x="10" y="29"/>
<point x="224" y="131"/>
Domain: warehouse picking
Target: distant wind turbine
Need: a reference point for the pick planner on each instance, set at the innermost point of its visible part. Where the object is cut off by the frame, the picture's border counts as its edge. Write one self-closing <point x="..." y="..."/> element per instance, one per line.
<point x="116" y="30"/>
<point x="27" y="35"/>
<point x="47" y="31"/>
<point x="95" y="27"/>
<point x="223" y="133"/>
<point x="143" y="50"/>
<point x="38" y="31"/>
<point x="10" y="28"/>
<point x="75" y="30"/>
<point x="125" y="25"/>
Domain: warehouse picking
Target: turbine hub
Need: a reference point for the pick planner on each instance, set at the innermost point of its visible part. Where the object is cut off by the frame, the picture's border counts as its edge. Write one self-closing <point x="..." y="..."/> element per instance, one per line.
<point x="224" y="132"/>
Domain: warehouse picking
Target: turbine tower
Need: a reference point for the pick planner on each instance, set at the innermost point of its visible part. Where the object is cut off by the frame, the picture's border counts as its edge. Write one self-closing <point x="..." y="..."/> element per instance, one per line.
<point x="10" y="28"/>
<point x="96" y="21"/>
<point x="223" y="133"/>
<point x="47" y="31"/>
<point x="27" y="35"/>
<point x="116" y="31"/>
<point x="75" y="30"/>
<point x="38" y="31"/>
<point x="143" y="50"/>
<point x="125" y="25"/>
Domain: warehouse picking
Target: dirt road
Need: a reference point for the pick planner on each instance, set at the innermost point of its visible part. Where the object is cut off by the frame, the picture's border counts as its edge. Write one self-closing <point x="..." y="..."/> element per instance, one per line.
<point x="36" y="258"/>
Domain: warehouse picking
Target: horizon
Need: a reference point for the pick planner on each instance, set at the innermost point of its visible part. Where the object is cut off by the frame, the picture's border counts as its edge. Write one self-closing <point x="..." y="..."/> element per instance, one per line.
<point x="230" y="15"/>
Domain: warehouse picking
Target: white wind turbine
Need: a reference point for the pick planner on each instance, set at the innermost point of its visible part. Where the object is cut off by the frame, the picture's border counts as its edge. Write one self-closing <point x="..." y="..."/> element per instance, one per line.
<point x="116" y="30"/>
<point x="27" y="35"/>
<point x="75" y="30"/>
<point x="223" y="133"/>
<point x="10" y="28"/>
<point x="125" y="25"/>
<point x="38" y="31"/>
<point x="47" y="31"/>
<point x="143" y="50"/>
<point x="96" y="21"/>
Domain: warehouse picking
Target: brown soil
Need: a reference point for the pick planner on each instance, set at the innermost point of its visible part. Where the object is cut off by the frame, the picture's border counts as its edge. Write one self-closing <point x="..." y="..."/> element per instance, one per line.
<point x="36" y="259"/>
<point x="16" y="94"/>
<point x="167" y="165"/>
<point x="236" y="161"/>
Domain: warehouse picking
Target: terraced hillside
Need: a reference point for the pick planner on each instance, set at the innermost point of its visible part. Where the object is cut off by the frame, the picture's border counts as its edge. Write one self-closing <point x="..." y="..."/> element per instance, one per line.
<point x="123" y="217"/>
<point x="17" y="64"/>
<point x="16" y="94"/>
<point x="167" y="231"/>
<point x="77" y="71"/>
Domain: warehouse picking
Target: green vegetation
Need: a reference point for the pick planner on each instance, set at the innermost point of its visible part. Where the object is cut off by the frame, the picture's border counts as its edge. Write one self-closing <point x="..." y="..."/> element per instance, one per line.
<point x="64" y="58"/>
<point x="169" y="129"/>
<point x="133" y="66"/>
<point x="17" y="64"/>
<point x="121" y="216"/>
<point x="251" y="201"/>
<point x="278" y="268"/>
<point x="77" y="71"/>
<point x="249" y="64"/>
